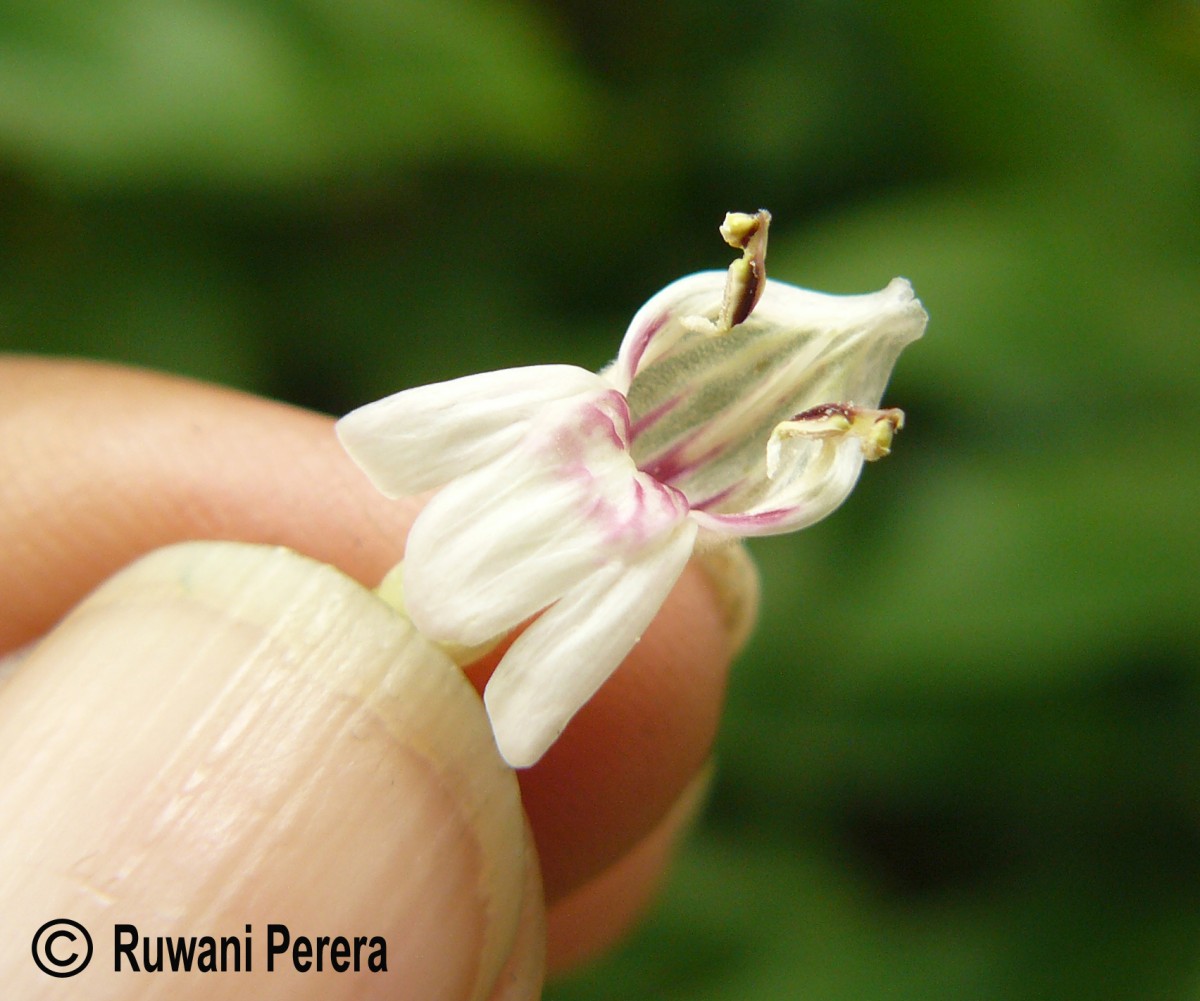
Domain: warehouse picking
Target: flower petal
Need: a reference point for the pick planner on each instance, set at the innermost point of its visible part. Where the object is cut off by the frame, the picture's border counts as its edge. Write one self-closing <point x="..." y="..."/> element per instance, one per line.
<point x="859" y="336"/>
<point x="499" y="544"/>
<point x="814" y="477"/>
<point x="704" y="410"/>
<point x="660" y="322"/>
<point x="424" y="437"/>
<point x="560" y="661"/>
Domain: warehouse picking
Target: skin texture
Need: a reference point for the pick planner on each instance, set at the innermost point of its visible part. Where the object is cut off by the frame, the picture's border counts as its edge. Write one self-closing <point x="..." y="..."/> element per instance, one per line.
<point x="100" y="465"/>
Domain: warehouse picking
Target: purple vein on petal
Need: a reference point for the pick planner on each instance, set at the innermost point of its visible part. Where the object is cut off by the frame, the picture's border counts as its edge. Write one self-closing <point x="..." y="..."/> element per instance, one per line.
<point x="638" y="346"/>
<point x="746" y="523"/>
<point x="671" y="462"/>
<point x="648" y="420"/>
<point x="672" y="465"/>
<point x="613" y="425"/>
<point x="716" y="498"/>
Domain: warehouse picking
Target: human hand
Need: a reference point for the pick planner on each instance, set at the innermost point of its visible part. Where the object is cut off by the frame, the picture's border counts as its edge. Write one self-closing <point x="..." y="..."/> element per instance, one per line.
<point x="135" y="760"/>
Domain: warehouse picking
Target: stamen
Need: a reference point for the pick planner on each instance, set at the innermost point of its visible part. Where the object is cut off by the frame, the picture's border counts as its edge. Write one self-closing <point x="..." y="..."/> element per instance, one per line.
<point x="874" y="429"/>
<point x="748" y="276"/>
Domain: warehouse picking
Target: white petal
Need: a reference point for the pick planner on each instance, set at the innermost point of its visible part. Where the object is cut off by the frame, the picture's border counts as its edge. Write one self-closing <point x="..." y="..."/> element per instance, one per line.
<point x="661" y="322"/>
<point x="704" y="411"/>
<point x="424" y="437"/>
<point x="560" y="661"/>
<point x="502" y="543"/>
<point x="858" y="337"/>
<point x="813" y="477"/>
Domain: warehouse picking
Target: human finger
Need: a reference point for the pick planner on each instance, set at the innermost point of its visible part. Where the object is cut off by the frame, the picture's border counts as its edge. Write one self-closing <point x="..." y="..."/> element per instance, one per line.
<point x="237" y="742"/>
<point x="99" y="464"/>
<point x="593" y="917"/>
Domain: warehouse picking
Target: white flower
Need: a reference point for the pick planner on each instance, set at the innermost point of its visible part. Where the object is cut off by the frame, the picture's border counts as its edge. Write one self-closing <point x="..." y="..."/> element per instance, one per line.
<point x="737" y="406"/>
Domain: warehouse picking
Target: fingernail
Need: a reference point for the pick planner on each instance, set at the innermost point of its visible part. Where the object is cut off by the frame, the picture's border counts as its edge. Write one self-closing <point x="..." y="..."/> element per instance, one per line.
<point x="9" y="662"/>
<point x="524" y="973"/>
<point x="227" y="736"/>
<point x="735" y="583"/>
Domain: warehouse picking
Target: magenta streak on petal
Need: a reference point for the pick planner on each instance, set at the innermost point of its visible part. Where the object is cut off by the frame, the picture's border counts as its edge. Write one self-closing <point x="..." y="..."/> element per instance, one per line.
<point x="644" y="515"/>
<point x="602" y="511"/>
<point x="744" y="524"/>
<point x="715" y="499"/>
<point x="638" y="346"/>
<point x="653" y="512"/>
<point x="671" y="466"/>
<point x="628" y="508"/>
<point x="669" y="463"/>
<point x="611" y="421"/>
<point x="654" y="416"/>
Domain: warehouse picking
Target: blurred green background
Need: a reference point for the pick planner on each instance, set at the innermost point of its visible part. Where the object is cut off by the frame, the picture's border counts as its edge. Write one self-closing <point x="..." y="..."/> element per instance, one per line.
<point x="961" y="757"/>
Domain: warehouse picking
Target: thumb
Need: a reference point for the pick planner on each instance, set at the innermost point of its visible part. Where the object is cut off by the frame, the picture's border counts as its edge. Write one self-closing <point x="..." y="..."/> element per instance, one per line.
<point x="236" y="742"/>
